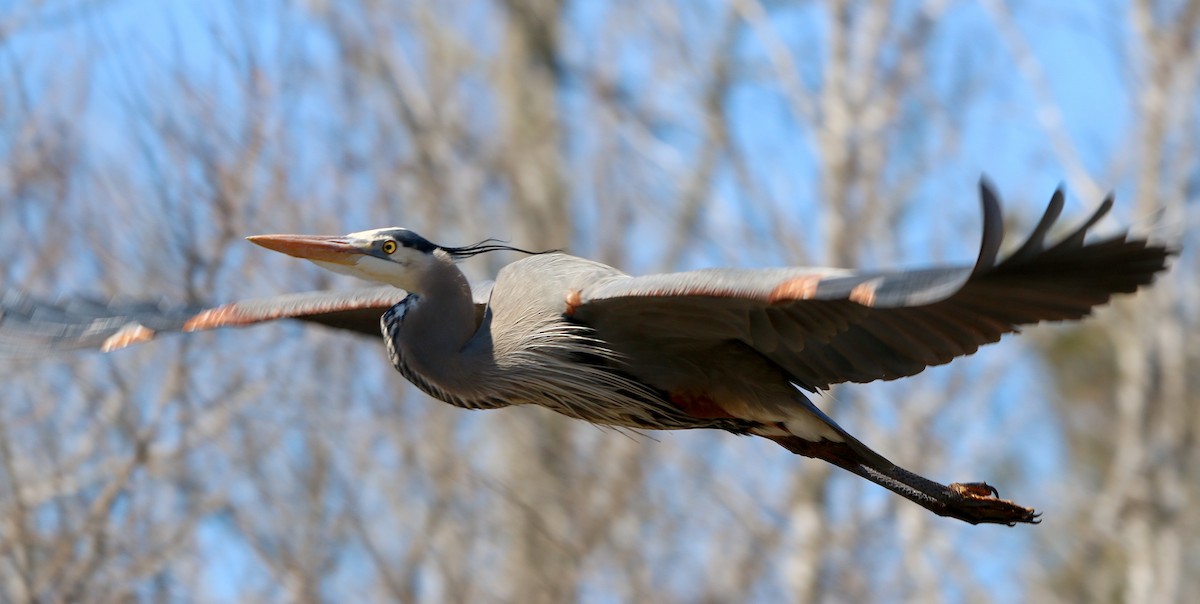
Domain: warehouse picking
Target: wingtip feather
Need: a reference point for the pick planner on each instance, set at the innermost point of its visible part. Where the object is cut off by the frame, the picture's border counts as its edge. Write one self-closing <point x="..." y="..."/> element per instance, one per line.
<point x="993" y="226"/>
<point x="1037" y="239"/>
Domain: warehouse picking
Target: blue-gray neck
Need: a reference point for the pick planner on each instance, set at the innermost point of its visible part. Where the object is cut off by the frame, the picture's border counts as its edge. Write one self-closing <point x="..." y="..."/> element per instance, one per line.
<point x="427" y="335"/>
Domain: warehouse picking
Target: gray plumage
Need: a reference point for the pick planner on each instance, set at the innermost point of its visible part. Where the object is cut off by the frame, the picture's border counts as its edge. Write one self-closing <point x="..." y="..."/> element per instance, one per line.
<point x="716" y="348"/>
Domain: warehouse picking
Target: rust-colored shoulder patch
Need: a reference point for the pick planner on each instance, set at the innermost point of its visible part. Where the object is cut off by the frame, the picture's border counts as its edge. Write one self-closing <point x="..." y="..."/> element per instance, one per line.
<point x="574" y="301"/>
<point x="864" y="293"/>
<point x="800" y="288"/>
<point x="129" y="335"/>
<point x="222" y="316"/>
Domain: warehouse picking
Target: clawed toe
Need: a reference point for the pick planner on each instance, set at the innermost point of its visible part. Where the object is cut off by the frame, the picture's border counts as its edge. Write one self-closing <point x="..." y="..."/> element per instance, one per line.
<point x="979" y="502"/>
<point x="975" y="489"/>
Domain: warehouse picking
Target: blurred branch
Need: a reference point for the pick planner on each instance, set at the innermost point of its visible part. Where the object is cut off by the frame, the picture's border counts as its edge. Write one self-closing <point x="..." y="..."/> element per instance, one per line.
<point x="1048" y="111"/>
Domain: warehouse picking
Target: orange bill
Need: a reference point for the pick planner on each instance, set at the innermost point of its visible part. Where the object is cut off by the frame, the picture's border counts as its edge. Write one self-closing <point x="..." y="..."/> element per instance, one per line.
<point x="337" y="250"/>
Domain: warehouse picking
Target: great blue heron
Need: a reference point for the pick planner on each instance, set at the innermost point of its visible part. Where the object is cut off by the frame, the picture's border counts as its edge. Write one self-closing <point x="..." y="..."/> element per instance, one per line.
<point x="718" y="348"/>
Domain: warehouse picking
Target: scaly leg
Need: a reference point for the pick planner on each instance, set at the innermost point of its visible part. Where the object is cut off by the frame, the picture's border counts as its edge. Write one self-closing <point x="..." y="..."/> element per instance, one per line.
<point x="974" y="502"/>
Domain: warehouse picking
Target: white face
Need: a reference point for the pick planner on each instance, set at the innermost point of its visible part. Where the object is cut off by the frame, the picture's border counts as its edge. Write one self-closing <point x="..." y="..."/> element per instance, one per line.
<point x="394" y="256"/>
<point x="397" y="272"/>
<point x="401" y="268"/>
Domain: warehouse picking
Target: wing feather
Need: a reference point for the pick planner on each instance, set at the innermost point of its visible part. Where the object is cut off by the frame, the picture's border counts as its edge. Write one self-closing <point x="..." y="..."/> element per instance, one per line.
<point x="29" y="325"/>
<point x="827" y="326"/>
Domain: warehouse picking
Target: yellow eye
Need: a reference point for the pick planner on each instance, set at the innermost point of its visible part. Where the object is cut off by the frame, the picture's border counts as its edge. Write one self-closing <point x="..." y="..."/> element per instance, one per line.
<point x="389" y="246"/>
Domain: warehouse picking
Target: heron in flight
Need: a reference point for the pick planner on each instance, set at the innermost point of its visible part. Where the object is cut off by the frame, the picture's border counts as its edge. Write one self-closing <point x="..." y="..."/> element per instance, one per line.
<point x="726" y="349"/>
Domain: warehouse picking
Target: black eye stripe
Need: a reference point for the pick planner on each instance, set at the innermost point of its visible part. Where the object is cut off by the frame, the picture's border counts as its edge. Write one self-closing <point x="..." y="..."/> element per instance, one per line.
<point x="409" y="240"/>
<point x="414" y="241"/>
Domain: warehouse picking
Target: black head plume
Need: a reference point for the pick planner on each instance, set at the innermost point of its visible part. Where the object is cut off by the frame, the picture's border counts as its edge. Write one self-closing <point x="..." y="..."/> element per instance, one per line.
<point x="485" y="246"/>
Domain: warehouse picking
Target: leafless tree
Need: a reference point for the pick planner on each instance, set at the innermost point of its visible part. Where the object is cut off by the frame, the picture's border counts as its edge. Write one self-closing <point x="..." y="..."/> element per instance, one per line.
<point x="1129" y="409"/>
<point x="284" y="464"/>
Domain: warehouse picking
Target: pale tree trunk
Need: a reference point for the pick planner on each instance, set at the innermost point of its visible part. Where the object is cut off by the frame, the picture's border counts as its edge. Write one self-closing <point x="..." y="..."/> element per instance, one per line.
<point x="1152" y="473"/>
<point x="543" y="564"/>
<point x="1131" y="417"/>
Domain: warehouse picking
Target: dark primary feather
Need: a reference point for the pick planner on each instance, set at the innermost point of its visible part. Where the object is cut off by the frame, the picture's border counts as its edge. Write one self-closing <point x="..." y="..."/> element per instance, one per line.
<point x="826" y="327"/>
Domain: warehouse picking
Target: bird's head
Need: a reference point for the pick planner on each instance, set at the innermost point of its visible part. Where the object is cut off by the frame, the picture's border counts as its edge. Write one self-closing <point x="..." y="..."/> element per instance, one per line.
<point x="395" y="256"/>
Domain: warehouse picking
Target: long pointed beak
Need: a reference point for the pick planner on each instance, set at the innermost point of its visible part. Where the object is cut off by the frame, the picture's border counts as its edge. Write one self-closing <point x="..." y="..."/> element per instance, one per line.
<point x="335" y="250"/>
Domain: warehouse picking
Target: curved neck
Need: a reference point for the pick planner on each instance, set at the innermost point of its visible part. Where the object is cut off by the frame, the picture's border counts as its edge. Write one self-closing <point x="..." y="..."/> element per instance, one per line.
<point x="428" y="335"/>
<point x="443" y="318"/>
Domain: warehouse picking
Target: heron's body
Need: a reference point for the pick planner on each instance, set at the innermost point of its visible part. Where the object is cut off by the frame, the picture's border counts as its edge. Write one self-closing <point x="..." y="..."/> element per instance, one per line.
<point x="556" y="360"/>
<point x="727" y="349"/>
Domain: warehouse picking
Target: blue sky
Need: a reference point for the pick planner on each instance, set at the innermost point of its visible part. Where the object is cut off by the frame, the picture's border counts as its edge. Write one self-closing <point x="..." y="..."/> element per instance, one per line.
<point x="143" y="42"/>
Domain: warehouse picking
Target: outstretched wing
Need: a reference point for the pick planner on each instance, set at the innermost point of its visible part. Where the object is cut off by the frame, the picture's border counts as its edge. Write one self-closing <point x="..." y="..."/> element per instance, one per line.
<point x="30" y="325"/>
<point x="826" y="326"/>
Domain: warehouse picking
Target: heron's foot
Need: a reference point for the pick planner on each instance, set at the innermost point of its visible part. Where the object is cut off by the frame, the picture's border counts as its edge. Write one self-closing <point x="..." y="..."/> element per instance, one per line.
<point x="980" y="503"/>
<point x="981" y="490"/>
